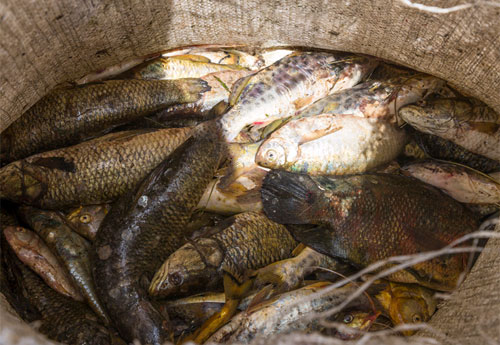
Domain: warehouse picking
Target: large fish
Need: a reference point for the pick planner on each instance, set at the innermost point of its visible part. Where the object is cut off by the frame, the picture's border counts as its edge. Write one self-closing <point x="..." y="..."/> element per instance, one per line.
<point x="474" y="127"/>
<point x="332" y="144"/>
<point x="70" y="248"/>
<point x="67" y="116"/>
<point x="440" y="148"/>
<point x="458" y="181"/>
<point x="288" y="85"/>
<point x="235" y="246"/>
<point x="147" y="225"/>
<point x="93" y="172"/>
<point x="33" y="252"/>
<point x="376" y="99"/>
<point x="63" y="319"/>
<point x="366" y="218"/>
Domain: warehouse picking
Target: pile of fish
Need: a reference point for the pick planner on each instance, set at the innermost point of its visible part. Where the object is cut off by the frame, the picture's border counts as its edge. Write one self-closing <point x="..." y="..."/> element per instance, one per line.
<point x="209" y="194"/>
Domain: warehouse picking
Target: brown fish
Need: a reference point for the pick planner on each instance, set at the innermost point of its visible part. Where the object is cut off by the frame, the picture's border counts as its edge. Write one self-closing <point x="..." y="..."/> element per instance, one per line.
<point x="86" y="220"/>
<point x="68" y="116"/>
<point x="366" y="218"/>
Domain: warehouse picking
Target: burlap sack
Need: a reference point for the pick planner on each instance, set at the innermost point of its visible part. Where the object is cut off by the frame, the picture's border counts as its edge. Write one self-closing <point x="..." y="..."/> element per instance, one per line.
<point x="46" y="42"/>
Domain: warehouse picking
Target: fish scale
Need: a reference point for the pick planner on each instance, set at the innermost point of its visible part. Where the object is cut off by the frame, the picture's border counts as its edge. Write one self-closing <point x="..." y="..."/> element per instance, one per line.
<point x="93" y="172"/>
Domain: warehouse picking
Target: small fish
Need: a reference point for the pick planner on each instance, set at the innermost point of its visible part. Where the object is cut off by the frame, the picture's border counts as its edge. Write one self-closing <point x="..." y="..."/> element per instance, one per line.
<point x="242" y="195"/>
<point x="144" y="227"/>
<point x="290" y="84"/>
<point x="33" y="252"/>
<point x="407" y="303"/>
<point x="474" y="127"/>
<point x="222" y="56"/>
<point x="331" y="144"/>
<point x="458" y="181"/>
<point x="439" y="148"/>
<point x="235" y="246"/>
<point x="86" y="220"/>
<point x="93" y="172"/>
<point x="355" y="321"/>
<point x="176" y="67"/>
<point x="366" y="218"/>
<point x="70" y="248"/>
<point x="285" y="313"/>
<point x="376" y="99"/>
<point x="68" y="116"/>
<point x="64" y="319"/>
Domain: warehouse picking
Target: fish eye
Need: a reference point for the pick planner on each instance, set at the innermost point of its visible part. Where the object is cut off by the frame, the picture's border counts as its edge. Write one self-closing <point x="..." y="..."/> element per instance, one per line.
<point x="85" y="218"/>
<point x="271" y="155"/>
<point x="416" y="318"/>
<point x="348" y="318"/>
<point x="175" y="279"/>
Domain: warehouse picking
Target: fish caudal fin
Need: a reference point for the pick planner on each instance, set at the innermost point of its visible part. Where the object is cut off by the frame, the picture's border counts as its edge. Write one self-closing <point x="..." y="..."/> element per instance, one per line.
<point x="290" y="198"/>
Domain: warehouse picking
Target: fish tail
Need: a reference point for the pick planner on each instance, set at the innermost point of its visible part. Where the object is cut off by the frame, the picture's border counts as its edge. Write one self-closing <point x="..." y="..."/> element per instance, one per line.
<point x="290" y="198"/>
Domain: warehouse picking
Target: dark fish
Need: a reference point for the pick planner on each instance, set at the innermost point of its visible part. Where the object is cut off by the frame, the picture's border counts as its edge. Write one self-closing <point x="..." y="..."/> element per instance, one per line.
<point x="68" y="116"/>
<point x="69" y="247"/>
<point x="86" y="220"/>
<point x="237" y="245"/>
<point x="440" y="148"/>
<point x="366" y="218"/>
<point x="64" y="319"/>
<point x="93" y="172"/>
<point x="146" y="226"/>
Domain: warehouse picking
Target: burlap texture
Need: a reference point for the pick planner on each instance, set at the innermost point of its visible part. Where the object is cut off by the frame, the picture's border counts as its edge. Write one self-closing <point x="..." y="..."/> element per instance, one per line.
<point x="47" y="42"/>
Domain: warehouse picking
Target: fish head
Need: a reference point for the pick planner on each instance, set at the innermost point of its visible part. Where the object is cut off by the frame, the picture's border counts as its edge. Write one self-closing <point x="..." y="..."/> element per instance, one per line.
<point x="19" y="184"/>
<point x="356" y="320"/>
<point x="86" y="220"/>
<point x="191" y="268"/>
<point x="422" y="119"/>
<point x="18" y="236"/>
<point x="351" y="69"/>
<point x="415" y="88"/>
<point x="411" y="304"/>
<point x="276" y="153"/>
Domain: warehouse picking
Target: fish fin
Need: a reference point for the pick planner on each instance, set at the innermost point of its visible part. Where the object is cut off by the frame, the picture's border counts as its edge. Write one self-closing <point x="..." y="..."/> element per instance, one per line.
<point x="320" y="239"/>
<point x="290" y="198"/>
<point x="484" y="127"/>
<point x="261" y="297"/>
<point x="57" y="163"/>
<point x="238" y="88"/>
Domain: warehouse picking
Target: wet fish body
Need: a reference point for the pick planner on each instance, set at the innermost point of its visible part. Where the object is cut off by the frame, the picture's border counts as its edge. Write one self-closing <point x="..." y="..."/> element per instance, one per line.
<point x="439" y="148"/>
<point x="288" y="85"/>
<point x="460" y="182"/>
<point x="68" y="116"/>
<point x="146" y="226"/>
<point x="32" y="251"/>
<point x="70" y="248"/>
<point x="235" y="246"/>
<point x="474" y="127"/>
<point x="332" y="144"/>
<point x="86" y="220"/>
<point x="93" y="172"/>
<point x="366" y="218"/>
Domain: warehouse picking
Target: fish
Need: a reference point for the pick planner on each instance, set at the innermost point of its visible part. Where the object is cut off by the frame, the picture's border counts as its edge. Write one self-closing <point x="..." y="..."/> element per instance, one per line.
<point x="458" y="181"/>
<point x="355" y="322"/>
<point x="94" y="172"/>
<point x="235" y="246"/>
<point x="241" y="160"/>
<point x="407" y="303"/>
<point x="376" y="98"/>
<point x="483" y="210"/>
<point x="176" y="67"/>
<point x="34" y="253"/>
<point x="68" y="116"/>
<point x="286" y="313"/>
<point x="471" y="126"/>
<point x="86" y="220"/>
<point x="440" y="148"/>
<point x="331" y="144"/>
<point x="222" y="56"/>
<point x="289" y="273"/>
<point x="71" y="249"/>
<point x="242" y="195"/>
<point x="64" y="319"/>
<point x="362" y="219"/>
<point x="288" y="85"/>
<point x="219" y="85"/>
<point x="144" y="227"/>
